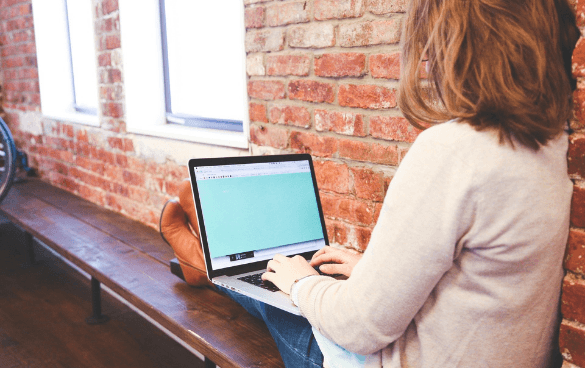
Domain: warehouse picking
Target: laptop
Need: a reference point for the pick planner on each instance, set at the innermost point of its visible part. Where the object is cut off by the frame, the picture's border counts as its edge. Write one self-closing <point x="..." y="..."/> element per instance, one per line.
<point x="251" y="208"/>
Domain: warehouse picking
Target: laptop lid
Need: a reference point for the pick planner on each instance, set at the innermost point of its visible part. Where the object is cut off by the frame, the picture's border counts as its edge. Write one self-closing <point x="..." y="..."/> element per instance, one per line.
<point x="251" y="208"/>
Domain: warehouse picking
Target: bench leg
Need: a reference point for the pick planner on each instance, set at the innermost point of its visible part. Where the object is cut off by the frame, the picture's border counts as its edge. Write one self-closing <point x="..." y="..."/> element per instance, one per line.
<point x="209" y="363"/>
<point x="29" y="243"/>
<point x="96" y="304"/>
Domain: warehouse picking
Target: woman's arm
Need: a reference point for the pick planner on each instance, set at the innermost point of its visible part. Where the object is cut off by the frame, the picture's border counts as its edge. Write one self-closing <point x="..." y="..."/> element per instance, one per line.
<point x="428" y="207"/>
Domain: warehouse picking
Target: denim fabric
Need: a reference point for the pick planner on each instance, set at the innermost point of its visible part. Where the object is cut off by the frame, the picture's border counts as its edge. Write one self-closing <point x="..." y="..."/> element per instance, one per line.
<point x="293" y="334"/>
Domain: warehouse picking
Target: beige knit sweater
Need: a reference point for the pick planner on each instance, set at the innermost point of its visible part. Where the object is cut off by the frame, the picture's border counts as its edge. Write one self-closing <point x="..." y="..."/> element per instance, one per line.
<point x="464" y="266"/>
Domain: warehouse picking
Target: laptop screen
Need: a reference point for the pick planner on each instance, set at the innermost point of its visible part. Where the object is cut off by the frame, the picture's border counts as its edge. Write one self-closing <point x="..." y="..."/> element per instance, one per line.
<point x="252" y="211"/>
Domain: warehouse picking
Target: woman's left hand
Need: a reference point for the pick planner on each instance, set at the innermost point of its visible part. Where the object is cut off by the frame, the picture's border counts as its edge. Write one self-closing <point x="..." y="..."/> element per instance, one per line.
<point x="283" y="271"/>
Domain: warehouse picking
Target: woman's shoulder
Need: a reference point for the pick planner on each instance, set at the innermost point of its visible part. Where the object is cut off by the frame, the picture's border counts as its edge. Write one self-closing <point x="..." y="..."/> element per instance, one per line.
<point x="455" y="133"/>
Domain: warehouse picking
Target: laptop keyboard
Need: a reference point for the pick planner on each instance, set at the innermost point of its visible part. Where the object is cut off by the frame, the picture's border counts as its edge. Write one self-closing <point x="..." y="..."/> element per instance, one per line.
<point x="256" y="280"/>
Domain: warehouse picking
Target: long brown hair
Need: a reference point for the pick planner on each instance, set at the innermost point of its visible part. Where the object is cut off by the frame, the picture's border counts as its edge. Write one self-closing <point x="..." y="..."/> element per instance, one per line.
<point x="495" y="64"/>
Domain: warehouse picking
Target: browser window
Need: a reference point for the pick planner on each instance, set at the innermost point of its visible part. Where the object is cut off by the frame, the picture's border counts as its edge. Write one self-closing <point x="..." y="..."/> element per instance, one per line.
<point x="254" y="211"/>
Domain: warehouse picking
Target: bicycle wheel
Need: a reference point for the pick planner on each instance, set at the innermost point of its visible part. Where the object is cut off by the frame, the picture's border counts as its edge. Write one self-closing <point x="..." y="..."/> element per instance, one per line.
<point x="7" y="159"/>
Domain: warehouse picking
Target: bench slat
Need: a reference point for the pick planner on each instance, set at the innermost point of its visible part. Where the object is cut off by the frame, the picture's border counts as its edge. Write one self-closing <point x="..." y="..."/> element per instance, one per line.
<point x="220" y="328"/>
<point x="121" y="227"/>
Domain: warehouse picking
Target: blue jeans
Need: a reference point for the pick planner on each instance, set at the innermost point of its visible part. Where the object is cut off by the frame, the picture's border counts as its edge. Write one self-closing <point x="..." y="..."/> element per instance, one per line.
<point x="293" y="334"/>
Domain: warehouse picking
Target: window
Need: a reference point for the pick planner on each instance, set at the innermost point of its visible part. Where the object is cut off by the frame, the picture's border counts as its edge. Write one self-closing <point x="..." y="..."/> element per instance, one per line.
<point x="66" y="57"/>
<point x="82" y="51"/>
<point x="203" y="75"/>
<point x="184" y="70"/>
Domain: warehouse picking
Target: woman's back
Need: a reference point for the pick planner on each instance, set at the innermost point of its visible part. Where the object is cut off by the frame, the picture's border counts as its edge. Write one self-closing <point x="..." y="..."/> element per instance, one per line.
<point x="498" y="303"/>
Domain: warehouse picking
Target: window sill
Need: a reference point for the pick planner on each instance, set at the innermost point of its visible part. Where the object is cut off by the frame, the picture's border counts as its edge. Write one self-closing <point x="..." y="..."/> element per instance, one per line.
<point x="74" y="117"/>
<point x="191" y="134"/>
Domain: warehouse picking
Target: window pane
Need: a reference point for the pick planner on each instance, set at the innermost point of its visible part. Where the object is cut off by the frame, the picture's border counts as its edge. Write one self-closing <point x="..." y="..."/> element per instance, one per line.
<point x="81" y="36"/>
<point x="206" y="58"/>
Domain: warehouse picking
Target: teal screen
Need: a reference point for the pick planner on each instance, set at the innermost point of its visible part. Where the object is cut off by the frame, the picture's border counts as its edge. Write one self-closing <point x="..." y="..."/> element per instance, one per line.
<point x="259" y="212"/>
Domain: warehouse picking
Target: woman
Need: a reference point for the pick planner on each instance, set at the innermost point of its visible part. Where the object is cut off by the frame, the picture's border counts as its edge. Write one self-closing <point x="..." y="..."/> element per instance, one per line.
<point x="464" y="266"/>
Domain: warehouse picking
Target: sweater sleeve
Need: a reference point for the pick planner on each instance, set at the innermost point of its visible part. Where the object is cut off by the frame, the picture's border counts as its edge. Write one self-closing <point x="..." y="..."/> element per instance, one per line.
<point x="428" y="208"/>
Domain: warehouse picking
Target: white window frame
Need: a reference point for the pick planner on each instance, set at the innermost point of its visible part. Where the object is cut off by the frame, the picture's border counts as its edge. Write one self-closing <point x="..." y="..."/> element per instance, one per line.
<point x="54" y="64"/>
<point x="145" y="108"/>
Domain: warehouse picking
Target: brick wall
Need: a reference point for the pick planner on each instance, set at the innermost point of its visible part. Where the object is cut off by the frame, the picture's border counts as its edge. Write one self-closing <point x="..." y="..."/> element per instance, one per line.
<point x="572" y="332"/>
<point x="97" y="163"/>
<point x="322" y="79"/>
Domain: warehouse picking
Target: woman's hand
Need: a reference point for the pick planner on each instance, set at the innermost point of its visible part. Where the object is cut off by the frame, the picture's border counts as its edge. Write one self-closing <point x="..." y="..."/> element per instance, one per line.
<point x="335" y="261"/>
<point x="283" y="271"/>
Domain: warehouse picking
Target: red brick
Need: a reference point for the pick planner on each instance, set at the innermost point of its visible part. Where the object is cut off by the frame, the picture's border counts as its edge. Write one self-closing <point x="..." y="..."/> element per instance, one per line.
<point x="81" y="135"/>
<point x="140" y="165"/>
<point x="290" y="115"/>
<point x="368" y="152"/>
<point x="385" y="66"/>
<point x="105" y="59"/>
<point x="313" y="91"/>
<point x="265" y="40"/>
<point x="363" y="235"/>
<point x="573" y="299"/>
<point x="269" y="136"/>
<point x="91" y="194"/>
<point x="255" y="65"/>
<point x="336" y="231"/>
<point x="25" y="9"/>
<point x="314" y="144"/>
<point x="133" y="178"/>
<point x="576" y="155"/>
<point x="13" y="62"/>
<point x="378" y="206"/>
<point x="266" y="90"/>
<point x="108" y="25"/>
<point x="331" y="176"/>
<point x="288" y="65"/>
<point x="122" y="161"/>
<point x="287" y="13"/>
<point x="367" y="96"/>
<point x="111" y="93"/>
<point x="340" y="122"/>
<point x="314" y="35"/>
<point x="572" y="343"/>
<point x="103" y="155"/>
<point x="64" y="182"/>
<point x="338" y="9"/>
<point x="109" y="76"/>
<point x="368" y="184"/>
<point x="114" y="173"/>
<point x="258" y="113"/>
<point x="579" y="6"/>
<point x="109" y="6"/>
<point x="112" y="42"/>
<point x="340" y="65"/>
<point x="344" y="208"/>
<point x="90" y="179"/>
<point x="579" y="108"/>
<point x="393" y="128"/>
<point x="368" y="33"/>
<point x="89" y="164"/>
<point x="575" y="256"/>
<point x="113" y="125"/>
<point x="578" y="207"/>
<point x="579" y="59"/>
<point x="128" y="145"/>
<point x="112" y="109"/>
<point x="254" y="17"/>
<point x="382" y="7"/>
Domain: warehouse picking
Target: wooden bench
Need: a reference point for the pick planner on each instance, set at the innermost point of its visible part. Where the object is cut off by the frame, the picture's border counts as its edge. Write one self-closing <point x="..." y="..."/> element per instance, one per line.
<point x="132" y="260"/>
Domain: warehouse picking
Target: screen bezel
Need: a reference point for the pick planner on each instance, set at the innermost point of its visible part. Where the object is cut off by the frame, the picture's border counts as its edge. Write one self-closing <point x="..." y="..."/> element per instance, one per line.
<point x="253" y="266"/>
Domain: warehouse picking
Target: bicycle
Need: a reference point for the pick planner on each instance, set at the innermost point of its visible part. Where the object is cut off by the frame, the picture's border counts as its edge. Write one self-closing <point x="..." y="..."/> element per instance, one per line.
<point x="11" y="159"/>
